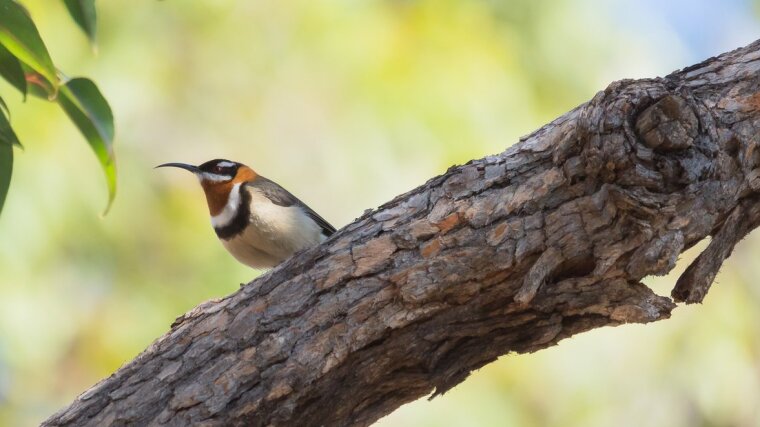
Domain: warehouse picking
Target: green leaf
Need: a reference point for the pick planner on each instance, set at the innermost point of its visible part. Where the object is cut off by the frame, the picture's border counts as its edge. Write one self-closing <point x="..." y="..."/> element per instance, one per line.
<point x="83" y="13"/>
<point x="10" y="69"/>
<point x="7" y="135"/>
<point x="20" y="36"/>
<point x="89" y="110"/>
<point x="6" y="167"/>
<point x="5" y="107"/>
<point x="7" y="140"/>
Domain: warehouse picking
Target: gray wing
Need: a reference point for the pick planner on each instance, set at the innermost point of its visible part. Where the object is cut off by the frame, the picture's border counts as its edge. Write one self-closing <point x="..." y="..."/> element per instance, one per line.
<point x="282" y="197"/>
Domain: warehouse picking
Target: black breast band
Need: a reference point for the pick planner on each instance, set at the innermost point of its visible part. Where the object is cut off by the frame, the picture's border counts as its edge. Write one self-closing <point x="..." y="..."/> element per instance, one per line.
<point x="241" y="219"/>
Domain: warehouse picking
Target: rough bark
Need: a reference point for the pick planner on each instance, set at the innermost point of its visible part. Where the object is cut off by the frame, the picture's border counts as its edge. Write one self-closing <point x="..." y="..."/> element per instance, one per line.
<point x="509" y="253"/>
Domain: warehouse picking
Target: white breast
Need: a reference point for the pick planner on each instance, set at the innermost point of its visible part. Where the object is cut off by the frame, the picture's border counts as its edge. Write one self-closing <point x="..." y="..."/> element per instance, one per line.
<point x="274" y="234"/>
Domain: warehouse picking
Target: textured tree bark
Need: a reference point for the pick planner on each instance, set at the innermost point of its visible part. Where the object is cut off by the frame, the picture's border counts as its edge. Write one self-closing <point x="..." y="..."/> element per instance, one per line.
<point x="509" y="253"/>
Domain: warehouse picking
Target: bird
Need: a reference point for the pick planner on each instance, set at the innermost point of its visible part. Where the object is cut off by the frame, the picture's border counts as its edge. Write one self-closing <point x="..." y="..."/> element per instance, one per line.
<point x="259" y="222"/>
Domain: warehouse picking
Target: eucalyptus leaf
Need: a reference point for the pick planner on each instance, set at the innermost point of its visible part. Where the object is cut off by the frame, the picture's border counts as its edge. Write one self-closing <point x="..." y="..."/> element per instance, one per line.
<point x="6" y="168"/>
<point x="19" y="35"/>
<point x="82" y="101"/>
<point x="83" y="13"/>
<point x="4" y="106"/>
<point x="7" y="135"/>
<point x="11" y="71"/>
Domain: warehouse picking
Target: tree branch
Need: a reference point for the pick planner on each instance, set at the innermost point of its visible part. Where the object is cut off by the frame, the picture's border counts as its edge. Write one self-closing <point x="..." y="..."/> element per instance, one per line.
<point x="509" y="253"/>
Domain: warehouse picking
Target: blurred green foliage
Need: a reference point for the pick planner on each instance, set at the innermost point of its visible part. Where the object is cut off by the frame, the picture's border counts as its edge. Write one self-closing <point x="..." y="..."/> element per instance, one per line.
<point x="26" y="65"/>
<point x="346" y="104"/>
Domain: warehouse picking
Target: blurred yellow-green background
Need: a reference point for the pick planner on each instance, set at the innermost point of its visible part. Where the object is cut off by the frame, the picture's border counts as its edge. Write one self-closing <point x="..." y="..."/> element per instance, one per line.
<point x="345" y="103"/>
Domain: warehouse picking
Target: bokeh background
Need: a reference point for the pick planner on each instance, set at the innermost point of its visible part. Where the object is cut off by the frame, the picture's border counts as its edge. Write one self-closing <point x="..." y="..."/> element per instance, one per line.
<point x="345" y="103"/>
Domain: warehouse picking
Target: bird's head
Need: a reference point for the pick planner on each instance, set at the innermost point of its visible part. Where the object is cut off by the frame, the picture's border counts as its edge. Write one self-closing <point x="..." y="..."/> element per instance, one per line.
<point x="218" y="177"/>
<point x="217" y="171"/>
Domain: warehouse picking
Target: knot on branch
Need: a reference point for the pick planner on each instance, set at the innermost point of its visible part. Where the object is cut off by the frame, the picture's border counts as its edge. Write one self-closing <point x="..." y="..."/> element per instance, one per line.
<point x="670" y="124"/>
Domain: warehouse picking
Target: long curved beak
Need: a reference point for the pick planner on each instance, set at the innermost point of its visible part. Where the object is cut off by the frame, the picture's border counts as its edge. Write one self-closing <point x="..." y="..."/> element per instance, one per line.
<point x="185" y="166"/>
